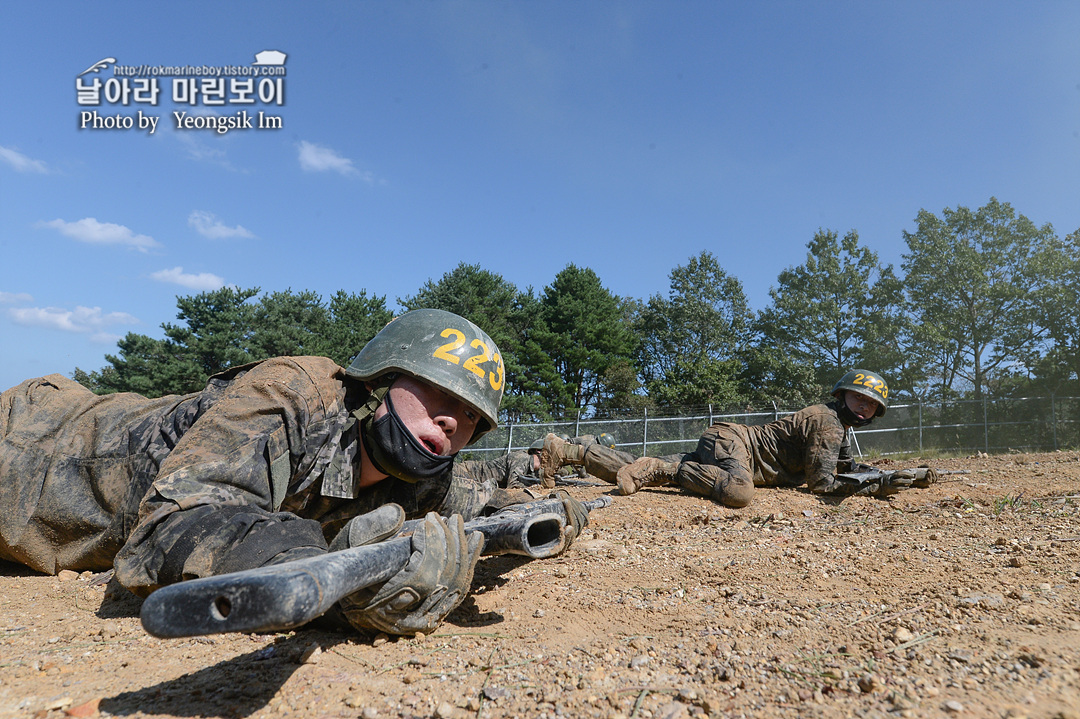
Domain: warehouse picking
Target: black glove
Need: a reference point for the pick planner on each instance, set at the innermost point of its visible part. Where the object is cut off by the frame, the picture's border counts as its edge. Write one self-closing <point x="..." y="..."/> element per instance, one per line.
<point x="435" y="580"/>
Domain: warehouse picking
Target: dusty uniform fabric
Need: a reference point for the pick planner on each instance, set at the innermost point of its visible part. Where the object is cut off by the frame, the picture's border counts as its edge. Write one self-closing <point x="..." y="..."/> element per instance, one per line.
<point x="601" y="461"/>
<point x="731" y="459"/>
<point x="256" y="468"/>
<point x="506" y="470"/>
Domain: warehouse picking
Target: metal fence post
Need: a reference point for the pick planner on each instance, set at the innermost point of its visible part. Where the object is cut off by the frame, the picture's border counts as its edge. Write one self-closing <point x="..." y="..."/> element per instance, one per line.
<point x="919" y="402"/>
<point x="986" y="428"/>
<point x="645" y="434"/>
<point x="509" y="437"/>
<point x="577" y="424"/>
<point x="1053" y="420"/>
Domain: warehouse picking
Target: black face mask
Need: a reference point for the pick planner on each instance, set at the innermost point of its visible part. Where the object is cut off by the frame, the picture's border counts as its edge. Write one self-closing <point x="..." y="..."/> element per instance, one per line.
<point x="394" y="450"/>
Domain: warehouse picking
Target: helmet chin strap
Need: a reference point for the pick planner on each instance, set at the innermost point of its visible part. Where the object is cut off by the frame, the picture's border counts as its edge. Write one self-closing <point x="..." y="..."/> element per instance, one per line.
<point x="375" y="398"/>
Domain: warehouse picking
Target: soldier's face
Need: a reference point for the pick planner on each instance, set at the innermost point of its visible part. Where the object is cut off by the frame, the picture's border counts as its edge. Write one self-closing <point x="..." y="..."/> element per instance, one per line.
<point x="860" y="405"/>
<point x="442" y="423"/>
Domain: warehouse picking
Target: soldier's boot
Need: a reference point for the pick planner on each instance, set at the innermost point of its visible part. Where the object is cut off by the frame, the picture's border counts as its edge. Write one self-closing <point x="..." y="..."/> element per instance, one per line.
<point x="557" y="453"/>
<point x="646" y="472"/>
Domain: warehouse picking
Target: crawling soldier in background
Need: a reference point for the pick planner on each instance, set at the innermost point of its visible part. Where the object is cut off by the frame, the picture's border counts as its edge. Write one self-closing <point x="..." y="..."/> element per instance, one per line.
<point x="809" y="446"/>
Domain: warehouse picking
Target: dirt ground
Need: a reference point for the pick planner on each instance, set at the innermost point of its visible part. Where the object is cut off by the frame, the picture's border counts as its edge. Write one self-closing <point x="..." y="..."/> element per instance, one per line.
<point x="958" y="600"/>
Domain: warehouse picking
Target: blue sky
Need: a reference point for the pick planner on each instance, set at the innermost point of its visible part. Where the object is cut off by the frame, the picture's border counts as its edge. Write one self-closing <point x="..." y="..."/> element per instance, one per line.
<point x="520" y="136"/>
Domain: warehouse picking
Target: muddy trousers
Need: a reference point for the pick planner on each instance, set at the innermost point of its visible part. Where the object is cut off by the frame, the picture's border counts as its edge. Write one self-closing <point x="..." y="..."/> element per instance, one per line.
<point x="604" y="462"/>
<point x="719" y="469"/>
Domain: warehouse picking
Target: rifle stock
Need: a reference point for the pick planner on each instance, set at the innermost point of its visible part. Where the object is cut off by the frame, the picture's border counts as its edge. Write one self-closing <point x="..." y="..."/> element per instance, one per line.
<point x="285" y="596"/>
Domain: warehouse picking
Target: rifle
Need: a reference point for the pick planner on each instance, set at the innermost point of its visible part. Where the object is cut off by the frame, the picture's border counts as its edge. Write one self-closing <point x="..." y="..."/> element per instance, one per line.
<point x="284" y="596"/>
<point x="867" y="479"/>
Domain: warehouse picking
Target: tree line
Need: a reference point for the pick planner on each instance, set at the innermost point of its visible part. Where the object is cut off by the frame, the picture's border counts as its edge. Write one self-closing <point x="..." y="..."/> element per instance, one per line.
<point x="984" y="303"/>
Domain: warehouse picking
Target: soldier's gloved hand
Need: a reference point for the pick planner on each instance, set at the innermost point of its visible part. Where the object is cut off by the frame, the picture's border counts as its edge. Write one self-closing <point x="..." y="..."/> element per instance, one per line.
<point x="369" y="528"/>
<point x="891" y="483"/>
<point x="435" y="580"/>
<point x="577" y="517"/>
<point x="924" y="477"/>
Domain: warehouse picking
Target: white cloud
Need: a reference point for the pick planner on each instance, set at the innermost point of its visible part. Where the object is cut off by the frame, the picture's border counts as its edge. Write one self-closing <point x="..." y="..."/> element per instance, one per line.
<point x="21" y="162"/>
<point x="208" y="225"/>
<point x="201" y="151"/>
<point x="91" y="231"/>
<point x="202" y="282"/>
<point x="316" y="158"/>
<point x="82" y="320"/>
<point x="10" y="298"/>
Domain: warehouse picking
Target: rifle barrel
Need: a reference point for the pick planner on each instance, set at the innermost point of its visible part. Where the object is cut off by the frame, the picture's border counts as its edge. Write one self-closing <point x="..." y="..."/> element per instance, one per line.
<point x="285" y="596"/>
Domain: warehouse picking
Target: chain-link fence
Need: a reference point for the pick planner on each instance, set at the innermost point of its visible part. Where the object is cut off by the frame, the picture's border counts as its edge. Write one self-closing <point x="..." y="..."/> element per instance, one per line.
<point x="1026" y="424"/>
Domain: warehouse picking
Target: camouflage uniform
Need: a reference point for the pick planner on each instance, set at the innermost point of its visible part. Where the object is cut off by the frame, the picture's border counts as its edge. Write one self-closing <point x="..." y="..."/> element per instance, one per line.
<point x="507" y="470"/>
<point x="256" y="468"/>
<point x="731" y="459"/>
<point x="601" y="461"/>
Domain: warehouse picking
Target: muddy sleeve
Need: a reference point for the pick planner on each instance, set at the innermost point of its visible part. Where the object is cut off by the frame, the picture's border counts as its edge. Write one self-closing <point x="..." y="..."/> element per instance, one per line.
<point x="824" y="438"/>
<point x="482" y="486"/>
<point x="212" y="506"/>
<point x="472" y="485"/>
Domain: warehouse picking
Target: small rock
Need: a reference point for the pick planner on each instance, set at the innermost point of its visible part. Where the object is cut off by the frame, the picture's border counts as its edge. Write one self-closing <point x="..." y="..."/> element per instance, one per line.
<point x="902" y="635"/>
<point x="311" y="654"/>
<point x="953" y="706"/>
<point x="58" y="704"/>
<point x="639" y="661"/>
<point x="674" y="710"/>
<point x="86" y="709"/>
<point x="867" y="683"/>
<point x="369" y="713"/>
<point x="493" y="693"/>
<point x="109" y="629"/>
<point x="445" y="710"/>
<point x="539" y="613"/>
<point x="66" y="575"/>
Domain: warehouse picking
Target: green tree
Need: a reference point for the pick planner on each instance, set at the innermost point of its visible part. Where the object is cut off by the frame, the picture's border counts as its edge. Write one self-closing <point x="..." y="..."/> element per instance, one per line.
<point x="354" y="319"/>
<point x="972" y="283"/>
<point x="584" y="334"/>
<point x="838" y="310"/>
<point x="511" y="318"/>
<point x="287" y="324"/>
<point x="218" y="330"/>
<point x="216" y="335"/>
<point x="148" y="366"/>
<point x="692" y="340"/>
<point x="771" y="380"/>
<point x="1056" y="366"/>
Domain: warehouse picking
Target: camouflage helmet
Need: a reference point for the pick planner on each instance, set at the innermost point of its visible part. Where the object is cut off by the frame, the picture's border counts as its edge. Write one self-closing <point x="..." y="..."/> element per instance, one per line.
<point x="444" y="350"/>
<point x="867" y="383"/>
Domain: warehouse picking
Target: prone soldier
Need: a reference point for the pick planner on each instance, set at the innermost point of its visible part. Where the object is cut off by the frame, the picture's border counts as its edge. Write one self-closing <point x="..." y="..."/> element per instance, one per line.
<point x="273" y="461"/>
<point x="810" y="446"/>
<point x="547" y="459"/>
